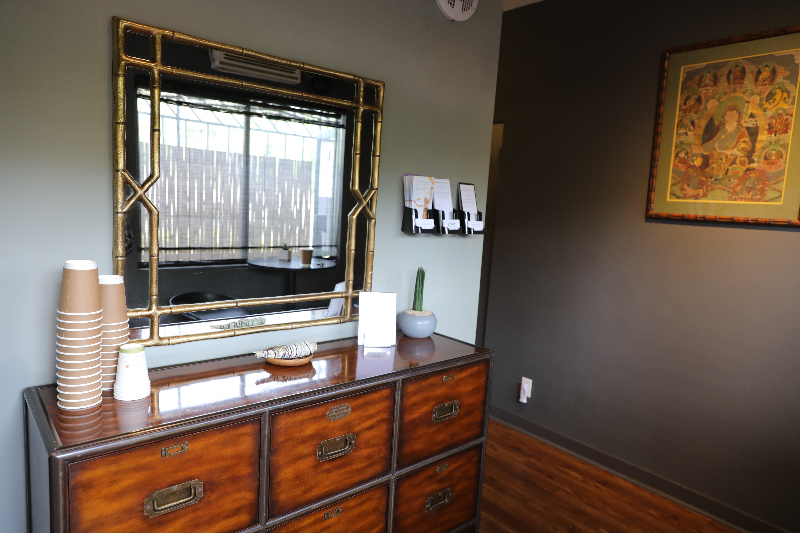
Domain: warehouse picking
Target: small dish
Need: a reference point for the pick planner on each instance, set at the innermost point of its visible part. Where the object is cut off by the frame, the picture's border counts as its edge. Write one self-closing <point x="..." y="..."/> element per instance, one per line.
<point x="289" y="362"/>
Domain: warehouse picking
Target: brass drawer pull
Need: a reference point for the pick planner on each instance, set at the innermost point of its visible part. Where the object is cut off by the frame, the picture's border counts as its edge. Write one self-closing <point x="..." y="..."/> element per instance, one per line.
<point x="445" y="411"/>
<point x="173" y="498"/>
<point x="442" y="468"/>
<point x="175" y="450"/>
<point x="331" y="514"/>
<point x="440" y="499"/>
<point x="448" y="377"/>
<point x="336" y="447"/>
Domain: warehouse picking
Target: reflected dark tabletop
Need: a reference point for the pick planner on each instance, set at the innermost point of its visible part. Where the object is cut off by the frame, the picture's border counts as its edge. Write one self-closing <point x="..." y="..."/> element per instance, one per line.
<point x="273" y="262"/>
<point x="209" y="387"/>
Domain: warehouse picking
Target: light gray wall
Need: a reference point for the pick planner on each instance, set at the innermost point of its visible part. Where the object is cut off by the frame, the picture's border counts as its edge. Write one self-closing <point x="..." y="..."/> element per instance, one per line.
<point x="55" y="157"/>
<point x="674" y="347"/>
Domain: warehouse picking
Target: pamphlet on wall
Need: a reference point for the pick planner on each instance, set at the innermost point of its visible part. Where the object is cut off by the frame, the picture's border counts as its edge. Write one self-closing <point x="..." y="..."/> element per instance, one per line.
<point x="468" y="203"/>
<point x="377" y="318"/>
<point x="418" y="192"/>
<point x="443" y="201"/>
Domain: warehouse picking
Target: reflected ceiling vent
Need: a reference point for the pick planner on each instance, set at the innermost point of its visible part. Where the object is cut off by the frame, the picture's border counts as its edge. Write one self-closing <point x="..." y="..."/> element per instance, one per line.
<point x="245" y="66"/>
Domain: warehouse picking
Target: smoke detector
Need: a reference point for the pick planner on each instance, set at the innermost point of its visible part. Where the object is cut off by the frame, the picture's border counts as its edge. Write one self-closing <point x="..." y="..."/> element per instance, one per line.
<point x="458" y="10"/>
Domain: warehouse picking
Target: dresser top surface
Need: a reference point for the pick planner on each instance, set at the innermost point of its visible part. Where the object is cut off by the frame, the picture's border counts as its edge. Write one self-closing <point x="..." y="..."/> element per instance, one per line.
<point x="209" y="387"/>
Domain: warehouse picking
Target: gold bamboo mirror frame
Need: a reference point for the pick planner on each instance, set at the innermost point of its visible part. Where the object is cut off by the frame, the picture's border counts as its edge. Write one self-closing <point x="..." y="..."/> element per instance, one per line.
<point x="129" y="192"/>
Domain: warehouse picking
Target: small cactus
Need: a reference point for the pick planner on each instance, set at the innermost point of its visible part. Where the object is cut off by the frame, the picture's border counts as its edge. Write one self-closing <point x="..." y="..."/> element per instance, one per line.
<point x="418" y="288"/>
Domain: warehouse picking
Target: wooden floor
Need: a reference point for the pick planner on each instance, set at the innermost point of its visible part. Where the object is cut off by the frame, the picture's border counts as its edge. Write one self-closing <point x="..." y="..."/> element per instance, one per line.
<point x="531" y="487"/>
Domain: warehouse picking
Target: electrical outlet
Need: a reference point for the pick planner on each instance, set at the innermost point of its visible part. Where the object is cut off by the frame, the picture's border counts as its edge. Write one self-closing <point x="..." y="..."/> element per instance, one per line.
<point x="525" y="389"/>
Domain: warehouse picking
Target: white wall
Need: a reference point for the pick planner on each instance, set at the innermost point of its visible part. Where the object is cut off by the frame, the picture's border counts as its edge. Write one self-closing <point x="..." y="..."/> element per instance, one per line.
<point x="55" y="157"/>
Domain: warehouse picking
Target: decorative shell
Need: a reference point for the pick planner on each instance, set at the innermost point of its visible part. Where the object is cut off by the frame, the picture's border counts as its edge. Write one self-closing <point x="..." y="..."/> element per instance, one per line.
<point x="298" y="350"/>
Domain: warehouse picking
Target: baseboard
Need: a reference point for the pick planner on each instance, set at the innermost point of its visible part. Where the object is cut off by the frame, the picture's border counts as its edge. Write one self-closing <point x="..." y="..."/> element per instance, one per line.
<point x="681" y="495"/>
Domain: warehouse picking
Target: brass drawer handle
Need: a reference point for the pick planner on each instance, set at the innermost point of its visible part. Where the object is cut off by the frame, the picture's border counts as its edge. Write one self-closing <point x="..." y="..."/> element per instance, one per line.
<point x="336" y="447"/>
<point x="331" y="514"/>
<point x="448" y="377"/>
<point x="442" y="468"/>
<point x="445" y="411"/>
<point x="440" y="499"/>
<point x="173" y="498"/>
<point x="175" y="450"/>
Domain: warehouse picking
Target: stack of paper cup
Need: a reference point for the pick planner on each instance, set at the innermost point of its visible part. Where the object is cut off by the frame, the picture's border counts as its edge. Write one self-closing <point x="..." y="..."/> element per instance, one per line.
<point x="133" y="382"/>
<point x="114" y="327"/>
<point x="78" y="337"/>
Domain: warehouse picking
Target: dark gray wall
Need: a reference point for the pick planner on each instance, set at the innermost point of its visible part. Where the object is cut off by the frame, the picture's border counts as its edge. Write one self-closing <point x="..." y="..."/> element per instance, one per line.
<point x="674" y="347"/>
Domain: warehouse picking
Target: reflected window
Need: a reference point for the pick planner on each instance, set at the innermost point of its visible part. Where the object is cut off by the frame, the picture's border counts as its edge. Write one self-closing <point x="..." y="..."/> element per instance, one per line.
<point x="241" y="179"/>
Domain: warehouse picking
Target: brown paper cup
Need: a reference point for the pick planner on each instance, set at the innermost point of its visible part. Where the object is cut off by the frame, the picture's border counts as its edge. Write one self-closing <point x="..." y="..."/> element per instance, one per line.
<point x="112" y="299"/>
<point x="86" y="333"/>
<point x="80" y="288"/>
<point x="90" y="378"/>
<point x="306" y="254"/>
<point x="79" y="316"/>
<point x="78" y="396"/>
<point x="78" y="388"/>
<point x="77" y="358"/>
<point x="62" y="372"/>
<point x="72" y="366"/>
<point x="78" y="350"/>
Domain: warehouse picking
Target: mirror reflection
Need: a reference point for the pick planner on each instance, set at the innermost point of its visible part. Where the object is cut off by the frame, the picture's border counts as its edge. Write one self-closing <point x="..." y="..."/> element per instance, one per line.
<point x="253" y="193"/>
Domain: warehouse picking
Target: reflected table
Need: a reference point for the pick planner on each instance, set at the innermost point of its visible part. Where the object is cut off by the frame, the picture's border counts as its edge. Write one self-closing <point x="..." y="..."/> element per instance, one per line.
<point x="292" y="267"/>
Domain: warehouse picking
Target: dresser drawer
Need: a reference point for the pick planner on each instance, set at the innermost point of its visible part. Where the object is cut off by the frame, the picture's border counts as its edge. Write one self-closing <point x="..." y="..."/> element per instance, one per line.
<point x="325" y="448"/>
<point x="438" y="497"/>
<point x="206" y="481"/>
<point x="364" y="513"/>
<point x="441" y="411"/>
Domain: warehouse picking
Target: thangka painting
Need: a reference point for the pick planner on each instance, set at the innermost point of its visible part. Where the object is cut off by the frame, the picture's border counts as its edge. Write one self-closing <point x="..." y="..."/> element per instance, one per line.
<point x="724" y="145"/>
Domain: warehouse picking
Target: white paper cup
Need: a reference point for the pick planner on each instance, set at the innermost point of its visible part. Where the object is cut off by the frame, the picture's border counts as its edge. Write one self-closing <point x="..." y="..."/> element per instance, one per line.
<point x="133" y="381"/>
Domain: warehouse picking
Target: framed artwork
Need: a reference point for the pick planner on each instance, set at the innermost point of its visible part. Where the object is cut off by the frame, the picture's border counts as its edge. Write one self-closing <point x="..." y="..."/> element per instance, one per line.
<point x="724" y="148"/>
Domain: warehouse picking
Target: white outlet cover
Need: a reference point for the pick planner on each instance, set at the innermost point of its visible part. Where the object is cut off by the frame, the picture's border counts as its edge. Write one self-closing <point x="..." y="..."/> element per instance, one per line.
<point x="458" y="10"/>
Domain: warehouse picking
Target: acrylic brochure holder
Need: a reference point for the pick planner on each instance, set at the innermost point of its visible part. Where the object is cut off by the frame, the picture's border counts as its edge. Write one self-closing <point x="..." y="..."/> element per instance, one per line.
<point x="409" y="224"/>
<point x="468" y="222"/>
<point x="440" y="225"/>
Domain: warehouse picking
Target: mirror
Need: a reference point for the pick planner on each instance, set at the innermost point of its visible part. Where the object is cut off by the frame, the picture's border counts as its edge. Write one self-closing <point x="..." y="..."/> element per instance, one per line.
<point x="226" y="161"/>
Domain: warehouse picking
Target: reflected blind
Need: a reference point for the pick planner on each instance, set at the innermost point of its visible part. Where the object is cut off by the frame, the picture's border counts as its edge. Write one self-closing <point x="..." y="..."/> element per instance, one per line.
<point x="240" y="180"/>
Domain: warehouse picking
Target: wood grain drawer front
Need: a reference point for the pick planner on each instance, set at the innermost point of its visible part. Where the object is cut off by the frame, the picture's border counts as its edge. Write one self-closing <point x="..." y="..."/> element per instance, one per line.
<point x="438" y="497"/>
<point x="363" y="513"/>
<point x="211" y="480"/>
<point x="325" y="448"/>
<point x="441" y="411"/>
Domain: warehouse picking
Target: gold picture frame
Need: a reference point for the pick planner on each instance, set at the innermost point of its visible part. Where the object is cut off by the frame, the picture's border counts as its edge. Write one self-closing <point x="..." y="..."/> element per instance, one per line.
<point x="724" y="149"/>
<point x="366" y="202"/>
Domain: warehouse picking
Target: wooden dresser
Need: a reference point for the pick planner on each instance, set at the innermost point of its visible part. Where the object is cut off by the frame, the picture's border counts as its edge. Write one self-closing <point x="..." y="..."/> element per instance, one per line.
<point x="353" y="442"/>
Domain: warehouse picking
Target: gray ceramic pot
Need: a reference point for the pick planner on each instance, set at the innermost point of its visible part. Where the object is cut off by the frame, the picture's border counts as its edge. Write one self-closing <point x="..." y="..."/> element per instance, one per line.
<point x="417" y="324"/>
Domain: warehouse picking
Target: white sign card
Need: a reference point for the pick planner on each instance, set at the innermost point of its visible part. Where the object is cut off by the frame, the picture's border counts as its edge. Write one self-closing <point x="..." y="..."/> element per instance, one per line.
<point x="377" y="318"/>
<point x="442" y="199"/>
<point x="467" y="198"/>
